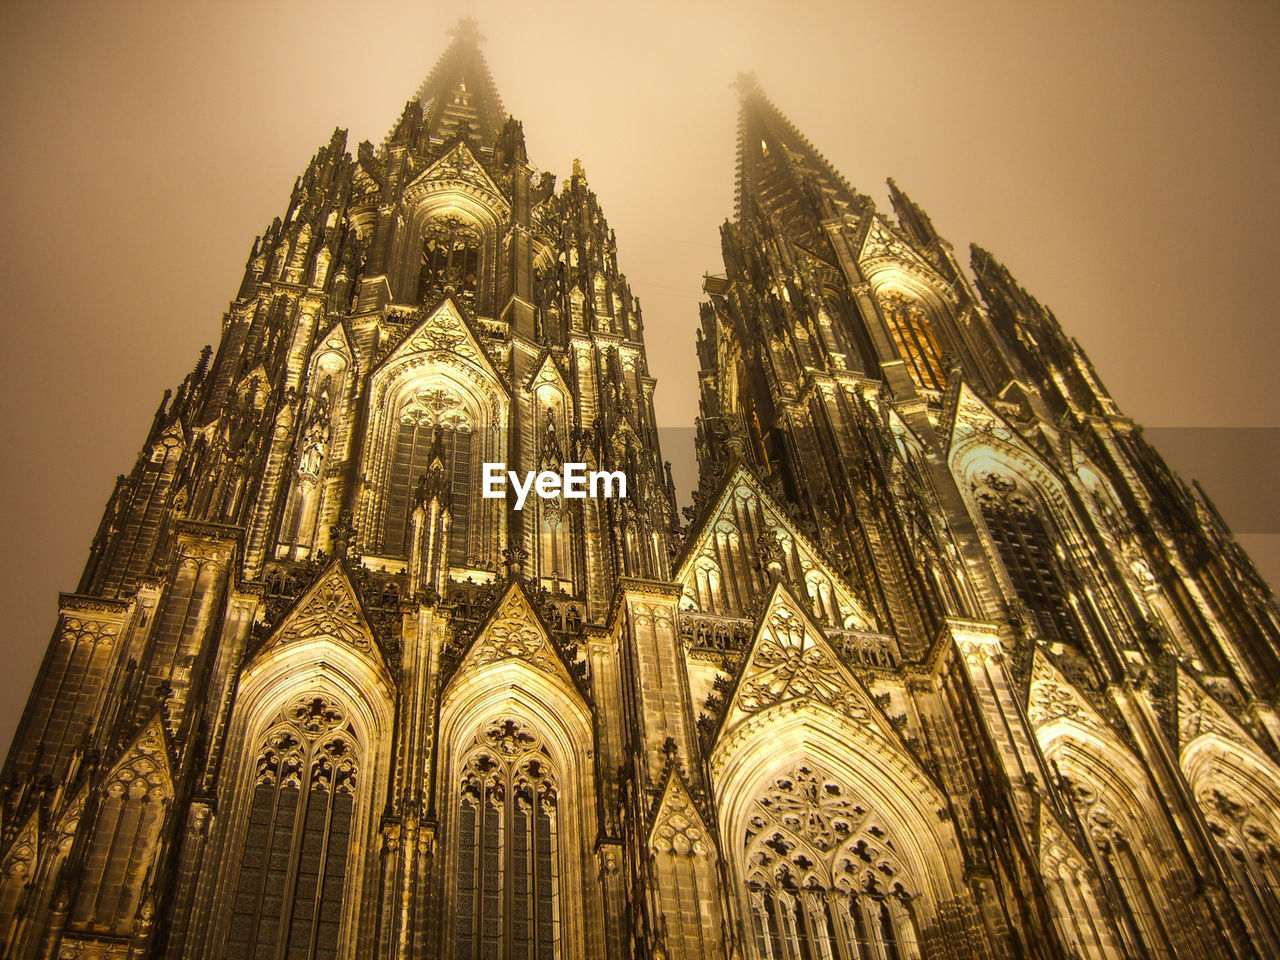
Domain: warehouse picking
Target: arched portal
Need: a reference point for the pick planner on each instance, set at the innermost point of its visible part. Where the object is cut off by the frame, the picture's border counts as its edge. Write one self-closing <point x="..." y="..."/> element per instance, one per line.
<point x="1238" y="793"/>
<point x="515" y="782"/>
<point x="837" y="846"/>
<point x="824" y="877"/>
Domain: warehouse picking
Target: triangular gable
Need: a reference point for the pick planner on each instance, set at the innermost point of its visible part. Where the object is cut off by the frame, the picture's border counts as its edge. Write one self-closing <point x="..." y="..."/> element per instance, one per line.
<point x="146" y="758"/>
<point x="1055" y="843"/>
<point x="458" y="165"/>
<point x="677" y="825"/>
<point x="700" y="543"/>
<point x="330" y="607"/>
<point x="173" y="434"/>
<point x="334" y="340"/>
<point x="1199" y="713"/>
<point x="514" y="631"/>
<point x="791" y="659"/>
<point x="258" y="375"/>
<point x="972" y="414"/>
<point x="20" y="857"/>
<point x="68" y="820"/>
<point x="1053" y="697"/>
<point x="445" y="331"/>
<point x="881" y="242"/>
<point x="624" y="434"/>
<point x="547" y="370"/>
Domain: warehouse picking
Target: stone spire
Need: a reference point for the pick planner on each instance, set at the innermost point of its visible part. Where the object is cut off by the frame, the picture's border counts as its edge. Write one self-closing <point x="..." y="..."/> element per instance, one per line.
<point x="778" y="167"/>
<point x="459" y="93"/>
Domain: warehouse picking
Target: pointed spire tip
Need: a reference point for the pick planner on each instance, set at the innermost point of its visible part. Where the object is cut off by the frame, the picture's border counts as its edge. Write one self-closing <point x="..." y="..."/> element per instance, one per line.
<point x="467" y="30"/>
<point x="746" y="84"/>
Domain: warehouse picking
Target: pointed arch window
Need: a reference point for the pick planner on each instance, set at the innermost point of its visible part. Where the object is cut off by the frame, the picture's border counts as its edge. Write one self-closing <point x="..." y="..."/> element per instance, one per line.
<point x="450" y="258"/>
<point x="507" y="899"/>
<point x="1144" y="910"/>
<point x="435" y="423"/>
<point x="1251" y="852"/>
<point x="1026" y="549"/>
<point x="823" y="877"/>
<point x="913" y="335"/>
<point x="289" y="882"/>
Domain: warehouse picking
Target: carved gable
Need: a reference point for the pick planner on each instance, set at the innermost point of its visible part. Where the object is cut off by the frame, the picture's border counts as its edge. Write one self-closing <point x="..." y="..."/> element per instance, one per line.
<point x="1053" y="697"/>
<point x="971" y="416"/>
<point x="329" y="608"/>
<point x="143" y="769"/>
<point x="1199" y="714"/>
<point x="677" y="826"/>
<point x="20" y="858"/>
<point x="548" y="372"/>
<point x="880" y="242"/>
<point x="515" y="632"/>
<point x="790" y="659"/>
<point x="442" y="331"/>
<point x="883" y="247"/>
<point x="334" y="341"/>
<point x="457" y="167"/>
<point x="740" y="535"/>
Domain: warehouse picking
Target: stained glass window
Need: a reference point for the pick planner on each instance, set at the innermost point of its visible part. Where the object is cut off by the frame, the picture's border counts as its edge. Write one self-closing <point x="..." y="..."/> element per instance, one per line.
<point x="917" y="344"/>
<point x="507" y="898"/>
<point x="288" y="895"/>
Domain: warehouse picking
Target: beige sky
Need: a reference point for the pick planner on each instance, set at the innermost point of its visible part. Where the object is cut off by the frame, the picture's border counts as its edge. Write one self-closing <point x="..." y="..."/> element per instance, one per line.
<point x="1120" y="158"/>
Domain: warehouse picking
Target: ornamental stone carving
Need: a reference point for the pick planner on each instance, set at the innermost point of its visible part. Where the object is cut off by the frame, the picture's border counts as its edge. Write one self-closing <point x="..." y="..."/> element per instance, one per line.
<point x="329" y="609"/>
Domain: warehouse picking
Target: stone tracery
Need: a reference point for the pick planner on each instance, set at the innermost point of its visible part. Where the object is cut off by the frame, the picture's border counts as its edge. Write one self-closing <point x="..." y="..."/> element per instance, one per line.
<point x="290" y="877"/>
<point x="507" y="898"/>
<point x="823" y="876"/>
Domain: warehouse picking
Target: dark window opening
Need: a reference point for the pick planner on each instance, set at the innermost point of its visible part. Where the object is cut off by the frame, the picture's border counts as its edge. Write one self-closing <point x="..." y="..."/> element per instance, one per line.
<point x="450" y="260"/>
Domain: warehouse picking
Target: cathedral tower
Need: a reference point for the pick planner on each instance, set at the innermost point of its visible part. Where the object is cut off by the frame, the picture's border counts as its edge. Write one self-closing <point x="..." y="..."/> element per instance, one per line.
<point x="311" y="678"/>
<point x="945" y="663"/>
<point x="1078" y="664"/>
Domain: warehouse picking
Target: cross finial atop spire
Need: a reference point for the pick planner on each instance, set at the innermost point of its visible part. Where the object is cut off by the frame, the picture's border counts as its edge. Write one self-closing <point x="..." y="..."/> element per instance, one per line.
<point x="466" y="31"/>
<point x="746" y="83"/>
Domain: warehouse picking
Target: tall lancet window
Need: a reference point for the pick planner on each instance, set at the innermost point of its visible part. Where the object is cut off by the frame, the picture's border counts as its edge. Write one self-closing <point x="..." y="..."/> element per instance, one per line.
<point x="450" y="258"/>
<point x="1250" y="849"/>
<point x="1026" y="550"/>
<point x="434" y="423"/>
<point x="507" y="903"/>
<point x="1127" y="870"/>
<point x="917" y="344"/>
<point x="288" y="894"/>
<point x="824" y="878"/>
<point x="555" y="566"/>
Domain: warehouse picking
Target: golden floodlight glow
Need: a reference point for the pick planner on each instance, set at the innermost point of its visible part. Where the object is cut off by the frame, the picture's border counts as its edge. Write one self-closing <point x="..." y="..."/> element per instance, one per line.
<point x="396" y="642"/>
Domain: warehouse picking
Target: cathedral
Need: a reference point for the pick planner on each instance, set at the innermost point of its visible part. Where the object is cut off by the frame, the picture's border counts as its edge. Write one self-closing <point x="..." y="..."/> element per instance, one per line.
<point x="942" y="663"/>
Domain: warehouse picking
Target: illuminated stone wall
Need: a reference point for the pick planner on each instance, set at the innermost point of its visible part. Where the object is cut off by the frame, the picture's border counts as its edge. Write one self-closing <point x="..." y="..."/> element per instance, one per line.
<point x="942" y="663"/>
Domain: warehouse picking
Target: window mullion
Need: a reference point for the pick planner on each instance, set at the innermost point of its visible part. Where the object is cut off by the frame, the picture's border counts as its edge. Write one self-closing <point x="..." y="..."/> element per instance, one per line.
<point x="295" y="854"/>
<point x="330" y="796"/>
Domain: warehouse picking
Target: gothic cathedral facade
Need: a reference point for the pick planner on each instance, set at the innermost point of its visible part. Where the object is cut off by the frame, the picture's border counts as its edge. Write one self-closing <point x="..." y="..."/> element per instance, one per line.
<point x="943" y="662"/>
